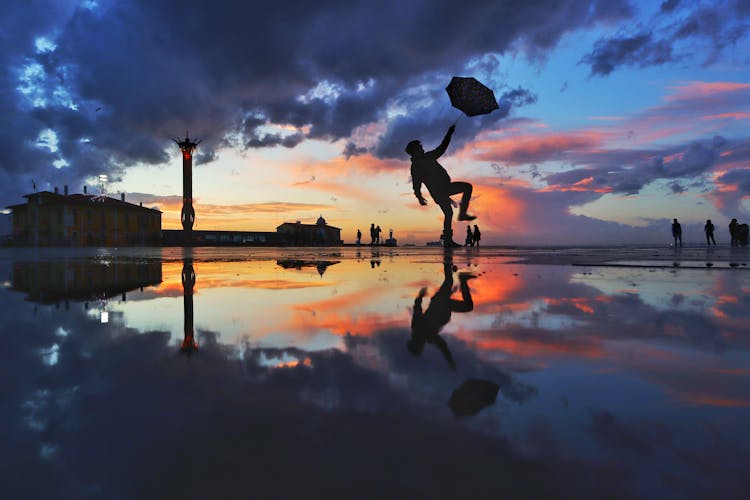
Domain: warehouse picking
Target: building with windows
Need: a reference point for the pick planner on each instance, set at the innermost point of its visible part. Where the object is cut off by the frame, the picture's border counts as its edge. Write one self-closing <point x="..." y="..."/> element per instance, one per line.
<point x="211" y="238"/>
<point x="318" y="234"/>
<point x="53" y="219"/>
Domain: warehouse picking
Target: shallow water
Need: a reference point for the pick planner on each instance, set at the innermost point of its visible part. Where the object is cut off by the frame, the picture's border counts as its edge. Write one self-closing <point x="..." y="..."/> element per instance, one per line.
<point x="270" y="372"/>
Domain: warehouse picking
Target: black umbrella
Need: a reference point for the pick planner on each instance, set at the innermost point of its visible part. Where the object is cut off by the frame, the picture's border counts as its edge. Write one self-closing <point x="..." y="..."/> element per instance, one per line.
<point x="470" y="96"/>
<point x="472" y="396"/>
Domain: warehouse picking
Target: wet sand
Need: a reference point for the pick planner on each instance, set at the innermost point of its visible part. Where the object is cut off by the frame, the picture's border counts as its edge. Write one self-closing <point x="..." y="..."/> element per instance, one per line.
<point x="719" y="257"/>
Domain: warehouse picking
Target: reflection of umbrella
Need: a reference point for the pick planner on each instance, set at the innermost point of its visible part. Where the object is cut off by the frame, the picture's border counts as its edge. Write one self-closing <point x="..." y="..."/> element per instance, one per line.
<point x="472" y="396"/>
<point x="470" y="96"/>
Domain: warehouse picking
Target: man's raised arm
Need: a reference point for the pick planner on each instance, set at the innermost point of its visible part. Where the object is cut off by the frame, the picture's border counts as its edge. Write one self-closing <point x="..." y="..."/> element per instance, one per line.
<point x="438" y="151"/>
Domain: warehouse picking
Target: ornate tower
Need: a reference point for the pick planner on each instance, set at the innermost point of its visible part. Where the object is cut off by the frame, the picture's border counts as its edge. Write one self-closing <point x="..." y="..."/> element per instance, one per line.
<point x="188" y="213"/>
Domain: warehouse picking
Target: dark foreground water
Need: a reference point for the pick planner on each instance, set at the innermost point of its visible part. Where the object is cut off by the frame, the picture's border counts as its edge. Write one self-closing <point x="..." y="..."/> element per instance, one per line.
<point x="328" y="373"/>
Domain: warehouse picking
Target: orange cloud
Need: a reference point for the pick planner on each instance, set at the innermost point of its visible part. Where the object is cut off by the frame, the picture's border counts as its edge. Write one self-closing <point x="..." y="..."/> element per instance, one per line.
<point x="535" y="148"/>
<point x="498" y="207"/>
<point x="697" y="399"/>
<point x="533" y="347"/>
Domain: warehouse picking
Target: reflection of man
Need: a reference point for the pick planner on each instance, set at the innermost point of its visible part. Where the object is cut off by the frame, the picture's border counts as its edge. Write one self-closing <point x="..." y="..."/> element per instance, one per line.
<point x="426" y="326"/>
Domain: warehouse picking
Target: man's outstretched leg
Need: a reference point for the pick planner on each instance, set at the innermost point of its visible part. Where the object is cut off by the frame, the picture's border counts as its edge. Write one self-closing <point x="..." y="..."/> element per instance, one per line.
<point x="465" y="188"/>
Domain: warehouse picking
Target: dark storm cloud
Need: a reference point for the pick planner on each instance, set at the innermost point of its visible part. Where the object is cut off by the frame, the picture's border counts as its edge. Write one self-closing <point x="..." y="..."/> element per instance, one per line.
<point x="140" y="72"/>
<point x="628" y="171"/>
<point x="352" y="149"/>
<point x="640" y="49"/>
<point x="677" y="188"/>
<point x="669" y="5"/>
<point x="429" y="125"/>
<point x="714" y="27"/>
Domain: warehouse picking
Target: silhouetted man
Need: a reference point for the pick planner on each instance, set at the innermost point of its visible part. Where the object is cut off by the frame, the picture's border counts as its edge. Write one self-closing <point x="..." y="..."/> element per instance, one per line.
<point x="426" y="326"/>
<point x="426" y="170"/>
<point x="709" y="229"/>
<point x="477" y="235"/>
<point x="359" y="236"/>
<point x="676" y="232"/>
<point x="733" y="233"/>
<point x="372" y="234"/>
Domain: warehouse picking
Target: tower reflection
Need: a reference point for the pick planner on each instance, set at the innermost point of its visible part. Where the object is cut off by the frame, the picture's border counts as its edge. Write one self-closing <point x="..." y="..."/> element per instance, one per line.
<point x="189" y="345"/>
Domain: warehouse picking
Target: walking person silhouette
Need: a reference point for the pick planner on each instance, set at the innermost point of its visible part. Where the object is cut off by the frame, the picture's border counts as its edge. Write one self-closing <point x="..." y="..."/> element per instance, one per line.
<point x="477" y="235"/>
<point x="677" y="232"/>
<point x="426" y="170"/>
<point x="709" y="229"/>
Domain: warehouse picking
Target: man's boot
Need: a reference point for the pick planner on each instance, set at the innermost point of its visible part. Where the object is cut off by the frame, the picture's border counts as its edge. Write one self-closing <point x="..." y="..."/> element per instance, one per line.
<point x="463" y="215"/>
<point x="448" y="240"/>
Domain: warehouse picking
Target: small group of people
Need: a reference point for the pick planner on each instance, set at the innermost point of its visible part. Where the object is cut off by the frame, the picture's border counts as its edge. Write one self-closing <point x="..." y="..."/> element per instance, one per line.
<point x="472" y="237"/>
<point x="374" y="235"/>
<point x="738" y="233"/>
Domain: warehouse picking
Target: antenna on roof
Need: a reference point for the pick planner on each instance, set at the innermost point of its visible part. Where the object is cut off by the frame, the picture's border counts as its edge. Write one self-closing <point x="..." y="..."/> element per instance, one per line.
<point x="102" y="188"/>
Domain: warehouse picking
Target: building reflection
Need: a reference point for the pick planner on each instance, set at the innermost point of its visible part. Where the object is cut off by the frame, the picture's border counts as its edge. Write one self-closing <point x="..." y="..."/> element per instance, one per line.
<point x="426" y="325"/>
<point x="189" y="345"/>
<point x="320" y="265"/>
<point x="51" y="282"/>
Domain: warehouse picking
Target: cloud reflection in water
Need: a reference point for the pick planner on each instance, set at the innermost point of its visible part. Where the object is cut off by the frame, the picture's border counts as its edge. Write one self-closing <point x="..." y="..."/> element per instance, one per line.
<point x="606" y="386"/>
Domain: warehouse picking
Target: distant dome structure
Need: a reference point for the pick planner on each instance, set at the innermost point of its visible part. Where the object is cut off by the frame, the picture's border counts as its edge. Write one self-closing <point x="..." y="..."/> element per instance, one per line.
<point x="321" y="221"/>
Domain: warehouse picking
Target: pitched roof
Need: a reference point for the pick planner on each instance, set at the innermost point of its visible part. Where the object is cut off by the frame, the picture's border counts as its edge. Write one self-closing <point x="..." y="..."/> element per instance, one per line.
<point x="80" y="199"/>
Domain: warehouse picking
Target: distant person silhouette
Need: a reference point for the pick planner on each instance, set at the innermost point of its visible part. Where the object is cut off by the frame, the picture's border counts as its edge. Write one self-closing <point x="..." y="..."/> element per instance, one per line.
<point x="676" y="232"/>
<point x="372" y="233"/>
<point x="709" y="229"/>
<point x="377" y="235"/>
<point x="477" y="235"/>
<point x="469" y="237"/>
<point x="359" y="237"/>
<point x="426" y="326"/>
<point x="733" y="233"/>
<point x="426" y="170"/>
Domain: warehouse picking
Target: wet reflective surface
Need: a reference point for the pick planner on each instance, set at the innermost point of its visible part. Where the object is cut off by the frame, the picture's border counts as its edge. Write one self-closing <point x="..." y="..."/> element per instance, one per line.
<point x="329" y="373"/>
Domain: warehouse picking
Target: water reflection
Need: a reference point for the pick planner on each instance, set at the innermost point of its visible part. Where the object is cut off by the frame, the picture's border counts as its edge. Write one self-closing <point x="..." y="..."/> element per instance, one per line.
<point x="320" y="265"/>
<point x="426" y="325"/>
<point x="612" y="382"/>
<point x="189" y="345"/>
<point x="49" y="282"/>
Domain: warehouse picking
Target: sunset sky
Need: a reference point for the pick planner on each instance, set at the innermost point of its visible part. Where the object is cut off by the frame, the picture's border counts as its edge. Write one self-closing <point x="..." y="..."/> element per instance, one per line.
<point x="615" y="116"/>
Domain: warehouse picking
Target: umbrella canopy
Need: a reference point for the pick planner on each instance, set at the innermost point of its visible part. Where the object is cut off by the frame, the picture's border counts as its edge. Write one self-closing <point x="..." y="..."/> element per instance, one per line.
<point x="470" y="96"/>
<point x="472" y="396"/>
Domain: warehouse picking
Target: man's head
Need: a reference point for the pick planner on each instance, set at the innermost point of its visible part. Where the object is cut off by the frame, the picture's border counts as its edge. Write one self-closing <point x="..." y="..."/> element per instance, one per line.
<point x="414" y="148"/>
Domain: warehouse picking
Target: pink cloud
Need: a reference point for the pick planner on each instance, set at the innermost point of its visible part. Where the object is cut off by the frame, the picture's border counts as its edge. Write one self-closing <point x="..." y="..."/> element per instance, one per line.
<point x="536" y="148"/>
<point x="731" y="115"/>
<point x="698" y="90"/>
